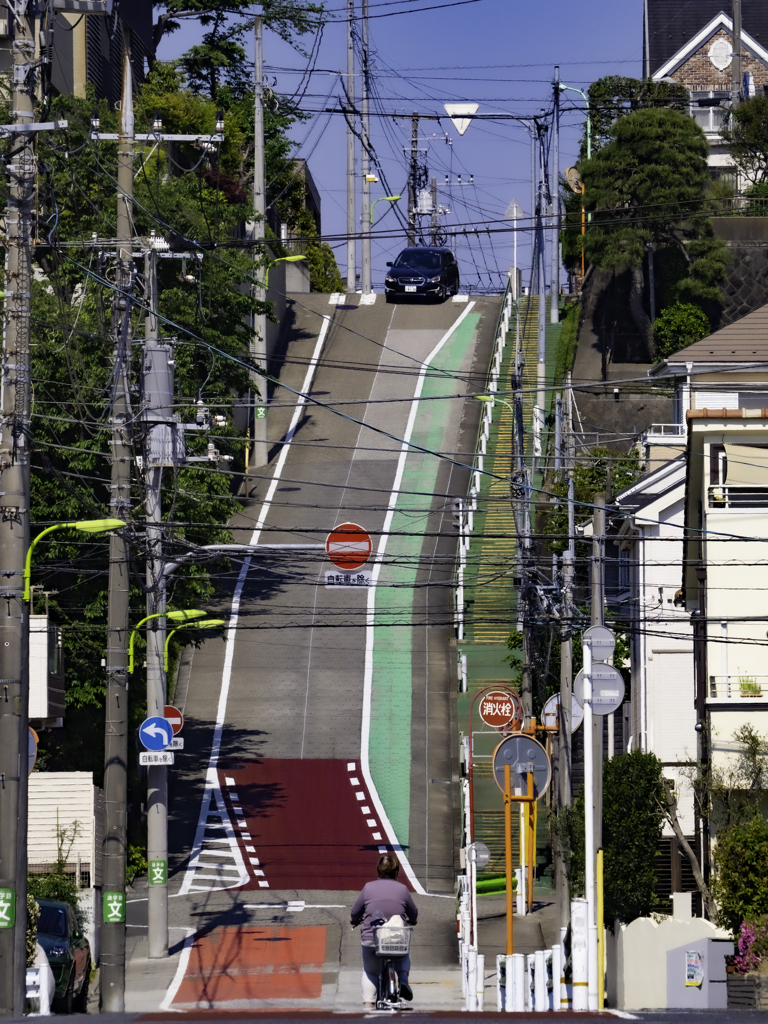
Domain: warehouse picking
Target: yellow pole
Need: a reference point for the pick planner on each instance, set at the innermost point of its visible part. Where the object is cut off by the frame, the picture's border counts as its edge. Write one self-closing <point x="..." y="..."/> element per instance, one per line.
<point x="508" y="853"/>
<point x="531" y="839"/>
<point x="600" y="934"/>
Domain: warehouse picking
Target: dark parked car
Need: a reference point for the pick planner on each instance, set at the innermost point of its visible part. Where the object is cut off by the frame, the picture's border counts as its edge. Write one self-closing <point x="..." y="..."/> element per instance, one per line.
<point x="422" y="270"/>
<point x="68" y="952"/>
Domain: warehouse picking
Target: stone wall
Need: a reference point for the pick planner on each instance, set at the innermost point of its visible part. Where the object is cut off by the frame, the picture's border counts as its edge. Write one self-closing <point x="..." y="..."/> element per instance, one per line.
<point x="699" y="73"/>
<point x="746" y="287"/>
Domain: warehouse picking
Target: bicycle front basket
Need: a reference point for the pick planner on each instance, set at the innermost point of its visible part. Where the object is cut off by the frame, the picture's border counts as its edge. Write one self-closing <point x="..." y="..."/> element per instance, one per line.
<point x="393" y="941"/>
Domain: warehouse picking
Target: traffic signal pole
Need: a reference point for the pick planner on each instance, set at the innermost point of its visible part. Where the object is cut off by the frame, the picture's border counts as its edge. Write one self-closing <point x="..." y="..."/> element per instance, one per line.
<point x="112" y="982"/>
<point x="14" y="525"/>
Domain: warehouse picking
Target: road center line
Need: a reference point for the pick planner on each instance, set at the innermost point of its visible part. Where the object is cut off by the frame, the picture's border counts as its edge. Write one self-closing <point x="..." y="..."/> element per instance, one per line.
<point x="405" y="449"/>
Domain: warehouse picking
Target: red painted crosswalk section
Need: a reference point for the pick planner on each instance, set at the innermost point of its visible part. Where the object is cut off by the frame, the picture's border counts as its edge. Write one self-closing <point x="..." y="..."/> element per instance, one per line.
<point x="303" y="824"/>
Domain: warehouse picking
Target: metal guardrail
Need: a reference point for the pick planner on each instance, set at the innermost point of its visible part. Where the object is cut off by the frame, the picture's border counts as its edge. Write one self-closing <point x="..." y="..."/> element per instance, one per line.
<point x="725" y="496"/>
<point x="740" y="206"/>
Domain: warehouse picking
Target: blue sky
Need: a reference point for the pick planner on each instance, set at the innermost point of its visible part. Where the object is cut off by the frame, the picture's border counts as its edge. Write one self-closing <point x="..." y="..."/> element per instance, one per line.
<point x="498" y="53"/>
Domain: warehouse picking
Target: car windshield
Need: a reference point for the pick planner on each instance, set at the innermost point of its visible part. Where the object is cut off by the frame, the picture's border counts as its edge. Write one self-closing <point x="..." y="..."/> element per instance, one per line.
<point x="53" y="921"/>
<point x="418" y="260"/>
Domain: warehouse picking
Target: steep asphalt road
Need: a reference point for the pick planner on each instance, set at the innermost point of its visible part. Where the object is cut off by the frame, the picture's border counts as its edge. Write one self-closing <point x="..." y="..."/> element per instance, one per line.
<point x="320" y="732"/>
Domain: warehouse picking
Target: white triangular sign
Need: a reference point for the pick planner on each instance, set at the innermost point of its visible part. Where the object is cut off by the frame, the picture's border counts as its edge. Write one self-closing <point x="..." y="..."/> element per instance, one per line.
<point x="461" y="114"/>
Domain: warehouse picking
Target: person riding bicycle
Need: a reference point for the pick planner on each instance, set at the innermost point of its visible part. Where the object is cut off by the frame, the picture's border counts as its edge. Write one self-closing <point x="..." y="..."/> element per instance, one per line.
<point x="377" y="903"/>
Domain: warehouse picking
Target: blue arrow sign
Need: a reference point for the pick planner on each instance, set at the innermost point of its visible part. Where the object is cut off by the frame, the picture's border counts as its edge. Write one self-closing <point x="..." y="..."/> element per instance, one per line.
<point x="155" y="733"/>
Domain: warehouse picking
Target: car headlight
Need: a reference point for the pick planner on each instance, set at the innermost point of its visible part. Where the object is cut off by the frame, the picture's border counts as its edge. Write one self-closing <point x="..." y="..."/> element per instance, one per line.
<point x="390" y="280"/>
<point x="57" y="951"/>
<point x="434" y="280"/>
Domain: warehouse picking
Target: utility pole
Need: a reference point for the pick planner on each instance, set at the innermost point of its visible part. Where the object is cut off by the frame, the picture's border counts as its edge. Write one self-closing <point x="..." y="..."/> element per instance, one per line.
<point x="112" y="984"/>
<point x="554" y="288"/>
<point x="412" y="178"/>
<point x="520" y="497"/>
<point x="157" y="389"/>
<point x="366" y="162"/>
<point x="258" y="453"/>
<point x="597" y="619"/>
<point x="14" y="523"/>
<point x="351" y="180"/>
<point x="435" y="225"/>
<point x="736" y="84"/>
<point x="541" y="369"/>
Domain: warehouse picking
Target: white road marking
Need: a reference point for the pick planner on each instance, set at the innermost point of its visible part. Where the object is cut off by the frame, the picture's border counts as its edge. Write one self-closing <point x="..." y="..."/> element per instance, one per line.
<point x="355" y="782"/>
<point x="181" y="970"/>
<point x="369" y="629"/>
<point x="212" y="787"/>
<point x="351" y="766"/>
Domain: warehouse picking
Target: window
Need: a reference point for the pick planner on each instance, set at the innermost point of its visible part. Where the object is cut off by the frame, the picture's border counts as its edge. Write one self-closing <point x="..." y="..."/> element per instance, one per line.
<point x="706" y="110"/>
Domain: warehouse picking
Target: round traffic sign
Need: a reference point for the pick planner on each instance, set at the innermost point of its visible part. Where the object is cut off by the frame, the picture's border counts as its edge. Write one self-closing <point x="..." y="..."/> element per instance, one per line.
<point x="155" y="733"/>
<point x="602" y="641"/>
<point x="175" y="717"/>
<point x="523" y="754"/>
<point x="500" y="707"/>
<point x="481" y="853"/>
<point x="607" y="688"/>
<point x="348" y="546"/>
<point x="552" y="707"/>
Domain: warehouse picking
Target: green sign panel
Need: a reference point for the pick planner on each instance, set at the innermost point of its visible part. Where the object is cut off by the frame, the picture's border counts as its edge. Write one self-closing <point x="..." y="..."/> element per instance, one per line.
<point x="7" y="908"/>
<point x="158" y="872"/>
<point x="114" y="907"/>
<point x="260" y="412"/>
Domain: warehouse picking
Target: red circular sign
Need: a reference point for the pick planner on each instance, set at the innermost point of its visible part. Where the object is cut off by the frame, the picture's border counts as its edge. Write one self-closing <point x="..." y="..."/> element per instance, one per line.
<point x="499" y="707"/>
<point x="348" y="546"/>
<point x="175" y="717"/>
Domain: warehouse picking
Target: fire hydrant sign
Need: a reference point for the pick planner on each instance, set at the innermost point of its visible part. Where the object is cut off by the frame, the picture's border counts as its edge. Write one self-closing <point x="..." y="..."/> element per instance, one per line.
<point x="348" y="546"/>
<point x="498" y="708"/>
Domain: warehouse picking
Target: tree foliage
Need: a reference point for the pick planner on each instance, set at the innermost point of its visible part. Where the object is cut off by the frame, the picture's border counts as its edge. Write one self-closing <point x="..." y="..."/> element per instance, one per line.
<point x="678" y="326"/>
<point x="746" y="134"/>
<point x="648" y="185"/>
<point x="740" y="884"/>
<point x="615" y="96"/>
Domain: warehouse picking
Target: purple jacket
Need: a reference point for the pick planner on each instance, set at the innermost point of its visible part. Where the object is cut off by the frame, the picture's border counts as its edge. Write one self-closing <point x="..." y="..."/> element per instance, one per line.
<point x="379" y="901"/>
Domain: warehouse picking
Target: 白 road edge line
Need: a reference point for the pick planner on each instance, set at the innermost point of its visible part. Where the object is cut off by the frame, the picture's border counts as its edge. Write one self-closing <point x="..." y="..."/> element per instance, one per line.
<point x="369" y="627"/>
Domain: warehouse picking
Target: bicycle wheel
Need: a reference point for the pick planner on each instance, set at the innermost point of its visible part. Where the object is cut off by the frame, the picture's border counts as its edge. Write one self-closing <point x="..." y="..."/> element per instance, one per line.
<point x="393" y="984"/>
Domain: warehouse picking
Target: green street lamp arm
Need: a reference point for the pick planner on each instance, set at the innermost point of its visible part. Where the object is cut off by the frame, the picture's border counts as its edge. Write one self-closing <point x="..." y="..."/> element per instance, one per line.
<point x="208" y="624"/>
<point x="280" y="259"/>
<point x="383" y="199"/>
<point x="85" y="526"/>
<point x="571" y="88"/>
<point x="192" y="613"/>
<point x="495" y="398"/>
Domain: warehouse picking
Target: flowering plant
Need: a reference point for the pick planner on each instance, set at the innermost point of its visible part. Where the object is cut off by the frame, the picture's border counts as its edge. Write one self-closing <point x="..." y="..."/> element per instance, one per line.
<point x="753" y="945"/>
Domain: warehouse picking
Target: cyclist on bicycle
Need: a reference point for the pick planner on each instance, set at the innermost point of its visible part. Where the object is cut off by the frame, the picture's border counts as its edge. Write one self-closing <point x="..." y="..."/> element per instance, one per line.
<point x="377" y="903"/>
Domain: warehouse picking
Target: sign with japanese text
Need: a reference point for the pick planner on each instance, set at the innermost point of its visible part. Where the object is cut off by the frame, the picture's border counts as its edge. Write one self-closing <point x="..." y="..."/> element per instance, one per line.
<point x="162" y="757"/>
<point x="114" y="907"/>
<point x="498" y="708"/>
<point x="348" y="579"/>
<point x="7" y="908"/>
<point x="158" y="872"/>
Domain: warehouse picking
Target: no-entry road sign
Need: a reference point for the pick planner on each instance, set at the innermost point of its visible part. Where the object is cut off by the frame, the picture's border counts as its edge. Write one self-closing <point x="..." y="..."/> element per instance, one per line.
<point x="175" y="717"/>
<point x="348" y="546"/>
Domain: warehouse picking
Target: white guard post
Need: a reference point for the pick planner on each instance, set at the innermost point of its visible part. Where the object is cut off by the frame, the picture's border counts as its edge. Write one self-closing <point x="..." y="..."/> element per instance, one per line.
<point x="579" y="954"/>
<point x="589" y="830"/>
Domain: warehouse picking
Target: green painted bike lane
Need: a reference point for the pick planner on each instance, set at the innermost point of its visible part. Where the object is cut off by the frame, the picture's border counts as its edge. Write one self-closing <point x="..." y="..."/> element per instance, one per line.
<point x="392" y="682"/>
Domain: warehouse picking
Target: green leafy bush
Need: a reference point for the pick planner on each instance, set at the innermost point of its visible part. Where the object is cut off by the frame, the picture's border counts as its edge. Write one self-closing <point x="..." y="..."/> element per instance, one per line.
<point x="33" y="915"/>
<point x="679" y="326"/>
<point x="135" y="863"/>
<point x="740" y="884"/>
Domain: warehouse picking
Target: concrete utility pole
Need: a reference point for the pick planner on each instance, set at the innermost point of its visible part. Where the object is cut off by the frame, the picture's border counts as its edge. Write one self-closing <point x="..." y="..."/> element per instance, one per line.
<point x="736" y="83"/>
<point x="435" y="225"/>
<point x="157" y="381"/>
<point x="554" y="288"/>
<point x="412" y="179"/>
<point x="351" y="179"/>
<point x="541" y="288"/>
<point x="14" y="524"/>
<point x="112" y="984"/>
<point x="258" y="453"/>
<point x="598" y="619"/>
<point x="366" y="162"/>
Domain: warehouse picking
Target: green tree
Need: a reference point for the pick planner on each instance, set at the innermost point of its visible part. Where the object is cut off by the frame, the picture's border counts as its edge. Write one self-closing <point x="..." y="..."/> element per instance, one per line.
<point x="677" y="327"/>
<point x="746" y="134"/>
<point x="648" y="185"/>
<point x="740" y="882"/>
<point x="615" y="96"/>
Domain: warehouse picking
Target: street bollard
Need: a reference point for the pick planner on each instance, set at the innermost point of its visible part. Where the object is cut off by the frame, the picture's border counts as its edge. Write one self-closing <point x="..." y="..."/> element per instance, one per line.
<point x="509" y="978"/>
<point x="579" y="962"/>
<point x="540" y="995"/>
<point x="518" y="983"/>
<point x="471" y="980"/>
<point x="530" y="967"/>
<point x="480" y="982"/>
<point x="557" y="973"/>
<point x="501" y="982"/>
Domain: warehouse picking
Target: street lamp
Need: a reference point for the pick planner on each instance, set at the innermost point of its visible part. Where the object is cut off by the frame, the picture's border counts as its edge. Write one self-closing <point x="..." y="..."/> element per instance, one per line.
<point x="180" y="616"/>
<point x="570" y="88"/>
<point x="206" y="624"/>
<point x="280" y="259"/>
<point x="384" y="199"/>
<point x="85" y="526"/>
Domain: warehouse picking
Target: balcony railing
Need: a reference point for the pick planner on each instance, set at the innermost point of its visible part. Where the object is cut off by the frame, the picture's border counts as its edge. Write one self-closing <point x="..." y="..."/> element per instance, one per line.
<point x="668" y="431"/>
<point x="723" y="496"/>
<point x="738" y="687"/>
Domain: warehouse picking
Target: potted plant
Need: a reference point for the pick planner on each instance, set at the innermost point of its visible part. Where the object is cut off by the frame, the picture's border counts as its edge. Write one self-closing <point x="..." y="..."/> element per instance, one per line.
<point x="749" y="687"/>
<point x="748" y="985"/>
